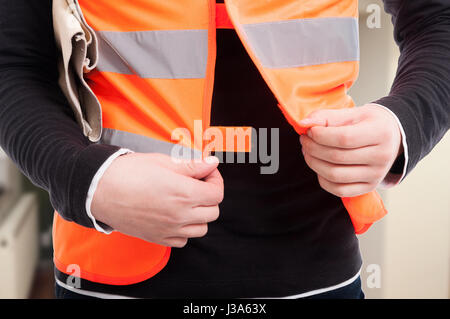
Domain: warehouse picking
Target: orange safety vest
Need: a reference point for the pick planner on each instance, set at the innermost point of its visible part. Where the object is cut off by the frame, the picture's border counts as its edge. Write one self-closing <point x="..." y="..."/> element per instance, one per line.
<point x="155" y="73"/>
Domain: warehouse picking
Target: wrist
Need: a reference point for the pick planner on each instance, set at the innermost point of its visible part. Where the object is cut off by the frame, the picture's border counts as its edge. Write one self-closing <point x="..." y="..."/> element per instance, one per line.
<point x="93" y="213"/>
<point x="398" y="169"/>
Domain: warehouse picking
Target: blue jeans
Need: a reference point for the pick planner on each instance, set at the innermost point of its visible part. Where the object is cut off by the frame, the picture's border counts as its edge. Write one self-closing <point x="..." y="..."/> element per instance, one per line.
<point x="351" y="291"/>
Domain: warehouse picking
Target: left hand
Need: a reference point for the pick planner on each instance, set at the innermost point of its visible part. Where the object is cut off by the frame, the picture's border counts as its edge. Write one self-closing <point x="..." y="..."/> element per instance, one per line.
<point x="352" y="149"/>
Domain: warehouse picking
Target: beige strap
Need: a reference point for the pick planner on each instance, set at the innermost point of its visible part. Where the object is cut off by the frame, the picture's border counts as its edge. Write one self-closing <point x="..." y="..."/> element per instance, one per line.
<point x="79" y="52"/>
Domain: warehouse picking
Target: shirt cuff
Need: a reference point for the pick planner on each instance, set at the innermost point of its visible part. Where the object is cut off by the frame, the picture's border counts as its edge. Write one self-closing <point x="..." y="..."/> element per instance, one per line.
<point x="393" y="179"/>
<point x="99" y="226"/>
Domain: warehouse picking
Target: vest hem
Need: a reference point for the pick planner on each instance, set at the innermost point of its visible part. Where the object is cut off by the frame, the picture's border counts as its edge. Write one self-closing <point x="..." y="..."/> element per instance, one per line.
<point x="116" y="280"/>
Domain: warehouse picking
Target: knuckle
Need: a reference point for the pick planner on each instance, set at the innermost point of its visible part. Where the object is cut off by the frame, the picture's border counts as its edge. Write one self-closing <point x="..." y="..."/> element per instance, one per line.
<point x="220" y="195"/>
<point x="314" y="133"/>
<point x="384" y="156"/>
<point x="339" y="191"/>
<point x="346" y="139"/>
<point x="321" y="182"/>
<point x="179" y="243"/>
<point x="334" y="174"/>
<point x="336" y="156"/>
<point x="178" y="218"/>
<point x="215" y="197"/>
<point x="181" y="194"/>
<point x="326" y="185"/>
<point x="371" y="186"/>
<point x="378" y="175"/>
<point x="331" y="188"/>
<point x="215" y="212"/>
<point x="305" y="145"/>
<point x="386" y="135"/>
<point x="195" y="231"/>
<point x="182" y="243"/>
<point x="373" y="173"/>
<point x="186" y="193"/>
<point x="307" y="159"/>
<point x="203" y="230"/>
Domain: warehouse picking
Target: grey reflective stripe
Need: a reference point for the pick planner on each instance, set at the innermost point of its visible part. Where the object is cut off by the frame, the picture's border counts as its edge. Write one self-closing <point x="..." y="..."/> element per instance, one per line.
<point x="167" y="54"/>
<point x="304" y="42"/>
<point x="144" y="144"/>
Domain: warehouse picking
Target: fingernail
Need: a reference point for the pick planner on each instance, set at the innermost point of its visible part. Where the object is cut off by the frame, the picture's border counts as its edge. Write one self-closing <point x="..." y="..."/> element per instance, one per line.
<point x="212" y="160"/>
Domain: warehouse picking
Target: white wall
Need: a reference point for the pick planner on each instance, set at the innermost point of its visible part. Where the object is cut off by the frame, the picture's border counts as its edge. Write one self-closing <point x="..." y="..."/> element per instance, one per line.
<point x="416" y="248"/>
<point x="10" y="183"/>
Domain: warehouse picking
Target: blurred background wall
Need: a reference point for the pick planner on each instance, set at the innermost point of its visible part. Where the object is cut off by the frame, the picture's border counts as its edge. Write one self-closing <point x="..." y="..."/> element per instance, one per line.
<point x="406" y="255"/>
<point x="410" y="247"/>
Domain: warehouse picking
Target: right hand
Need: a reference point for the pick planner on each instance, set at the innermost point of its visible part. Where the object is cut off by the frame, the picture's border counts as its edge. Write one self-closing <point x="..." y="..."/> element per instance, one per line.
<point x="150" y="196"/>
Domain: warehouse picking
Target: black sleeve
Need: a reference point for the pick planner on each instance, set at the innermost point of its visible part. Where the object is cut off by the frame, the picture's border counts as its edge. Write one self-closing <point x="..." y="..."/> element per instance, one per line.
<point x="420" y="94"/>
<point x="37" y="127"/>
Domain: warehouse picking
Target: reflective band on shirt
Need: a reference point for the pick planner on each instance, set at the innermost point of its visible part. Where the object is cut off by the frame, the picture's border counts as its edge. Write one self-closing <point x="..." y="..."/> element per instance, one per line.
<point x="144" y="144"/>
<point x="166" y="54"/>
<point x="303" y="42"/>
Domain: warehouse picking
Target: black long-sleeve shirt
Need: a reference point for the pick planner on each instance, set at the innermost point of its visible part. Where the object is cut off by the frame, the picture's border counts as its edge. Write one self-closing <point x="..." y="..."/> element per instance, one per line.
<point x="278" y="234"/>
<point x="420" y="94"/>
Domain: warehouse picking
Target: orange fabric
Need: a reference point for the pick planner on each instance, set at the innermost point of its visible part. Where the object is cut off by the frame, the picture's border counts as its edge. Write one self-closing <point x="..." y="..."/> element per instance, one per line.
<point x="364" y="210"/>
<point x="144" y="15"/>
<point x="305" y="89"/>
<point x="211" y="63"/>
<point x="250" y="11"/>
<point x="222" y="19"/>
<point x="115" y="259"/>
<point x="148" y="106"/>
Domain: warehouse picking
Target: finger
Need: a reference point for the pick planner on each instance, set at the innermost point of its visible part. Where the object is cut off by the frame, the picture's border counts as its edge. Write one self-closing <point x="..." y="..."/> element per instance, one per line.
<point x="356" y="156"/>
<point x="214" y="178"/>
<point x="350" y="136"/>
<point x="202" y="215"/>
<point x="341" y="173"/>
<point x="197" y="169"/>
<point x="346" y="190"/>
<point x="193" y="231"/>
<point x="206" y="192"/>
<point x="177" y="242"/>
<point x="331" y="117"/>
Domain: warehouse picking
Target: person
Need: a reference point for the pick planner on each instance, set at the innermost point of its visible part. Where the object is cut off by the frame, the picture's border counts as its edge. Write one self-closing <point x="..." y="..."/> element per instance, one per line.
<point x="234" y="231"/>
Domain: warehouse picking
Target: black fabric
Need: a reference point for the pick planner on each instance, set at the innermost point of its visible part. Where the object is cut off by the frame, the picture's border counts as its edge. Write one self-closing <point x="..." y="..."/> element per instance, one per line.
<point x="350" y="291"/>
<point x="420" y="94"/>
<point x="37" y="127"/>
<point x="277" y="234"/>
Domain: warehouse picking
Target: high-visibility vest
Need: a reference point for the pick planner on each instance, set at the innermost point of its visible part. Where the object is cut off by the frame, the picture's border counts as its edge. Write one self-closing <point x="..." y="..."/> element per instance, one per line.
<point x="155" y="73"/>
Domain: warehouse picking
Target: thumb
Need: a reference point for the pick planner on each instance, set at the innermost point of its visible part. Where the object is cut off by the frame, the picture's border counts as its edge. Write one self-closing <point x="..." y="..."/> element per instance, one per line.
<point x="331" y="117"/>
<point x="195" y="168"/>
